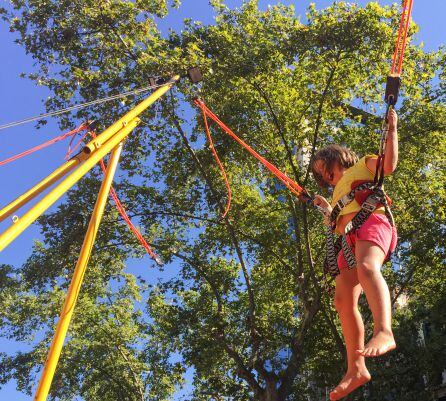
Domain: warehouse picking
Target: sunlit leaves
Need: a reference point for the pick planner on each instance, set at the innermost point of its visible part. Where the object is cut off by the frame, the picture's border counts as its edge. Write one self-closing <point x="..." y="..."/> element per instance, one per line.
<point x="234" y="294"/>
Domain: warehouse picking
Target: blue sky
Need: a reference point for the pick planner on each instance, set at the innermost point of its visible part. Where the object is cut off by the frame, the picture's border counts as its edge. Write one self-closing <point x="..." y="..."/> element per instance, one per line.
<point x="21" y="98"/>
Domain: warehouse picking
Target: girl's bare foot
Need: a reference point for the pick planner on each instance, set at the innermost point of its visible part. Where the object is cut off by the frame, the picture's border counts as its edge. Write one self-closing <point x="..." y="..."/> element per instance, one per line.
<point x="379" y="344"/>
<point x="350" y="382"/>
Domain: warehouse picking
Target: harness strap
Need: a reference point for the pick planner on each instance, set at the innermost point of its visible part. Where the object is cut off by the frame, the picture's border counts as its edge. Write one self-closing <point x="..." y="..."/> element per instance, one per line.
<point x="348" y="252"/>
<point x="387" y="210"/>
<point x="367" y="208"/>
<point x="334" y="246"/>
<point x="346" y="199"/>
<point x="330" y="263"/>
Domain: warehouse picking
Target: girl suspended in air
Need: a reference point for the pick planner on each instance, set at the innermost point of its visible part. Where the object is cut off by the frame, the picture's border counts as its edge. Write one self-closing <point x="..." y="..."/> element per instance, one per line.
<point x="370" y="244"/>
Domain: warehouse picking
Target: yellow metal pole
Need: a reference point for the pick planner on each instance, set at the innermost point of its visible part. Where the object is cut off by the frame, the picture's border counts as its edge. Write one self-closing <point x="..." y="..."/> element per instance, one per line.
<point x="71" y="164"/>
<point x="76" y="281"/>
<point x="42" y="185"/>
<point x="29" y="217"/>
<point x="136" y="111"/>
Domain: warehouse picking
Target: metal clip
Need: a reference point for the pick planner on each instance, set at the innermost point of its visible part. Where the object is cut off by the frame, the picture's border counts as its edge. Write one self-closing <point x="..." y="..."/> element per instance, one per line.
<point x="369" y="205"/>
<point x="345" y="200"/>
<point x="158" y="261"/>
<point x="348" y="227"/>
<point x="392" y="89"/>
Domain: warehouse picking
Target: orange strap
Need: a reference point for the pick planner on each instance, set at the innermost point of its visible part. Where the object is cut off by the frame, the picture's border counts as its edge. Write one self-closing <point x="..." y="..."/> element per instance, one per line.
<point x="217" y="159"/>
<point x="295" y="188"/>
<point x="126" y="218"/>
<point x="400" y="44"/>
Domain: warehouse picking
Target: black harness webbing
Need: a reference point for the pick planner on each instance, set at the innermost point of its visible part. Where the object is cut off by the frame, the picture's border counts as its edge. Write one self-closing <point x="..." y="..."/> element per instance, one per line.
<point x="334" y="246"/>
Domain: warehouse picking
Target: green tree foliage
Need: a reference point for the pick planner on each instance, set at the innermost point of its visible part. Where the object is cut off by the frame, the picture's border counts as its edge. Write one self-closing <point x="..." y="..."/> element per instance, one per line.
<point x="241" y="299"/>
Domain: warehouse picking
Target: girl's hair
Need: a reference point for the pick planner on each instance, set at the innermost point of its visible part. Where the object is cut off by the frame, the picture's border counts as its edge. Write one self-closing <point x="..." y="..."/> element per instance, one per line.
<point x="330" y="155"/>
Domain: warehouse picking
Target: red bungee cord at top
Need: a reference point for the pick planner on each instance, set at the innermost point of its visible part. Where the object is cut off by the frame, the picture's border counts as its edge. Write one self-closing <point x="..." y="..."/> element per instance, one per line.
<point x="400" y="44"/>
<point x="394" y="79"/>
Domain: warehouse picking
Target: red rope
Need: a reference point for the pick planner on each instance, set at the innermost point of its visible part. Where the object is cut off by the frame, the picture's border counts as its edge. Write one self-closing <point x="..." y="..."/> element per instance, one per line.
<point x="222" y="169"/>
<point x="295" y="188"/>
<point x="79" y="142"/>
<point x="395" y="71"/>
<point x="44" y="145"/>
<point x="126" y="218"/>
<point x="401" y="41"/>
<point x="113" y="194"/>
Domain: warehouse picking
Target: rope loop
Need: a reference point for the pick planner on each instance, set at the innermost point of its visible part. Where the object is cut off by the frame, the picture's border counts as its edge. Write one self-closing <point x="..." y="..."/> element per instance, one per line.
<point x="126" y="218"/>
<point x="217" y="159"/>
<point x="292" y="186"/>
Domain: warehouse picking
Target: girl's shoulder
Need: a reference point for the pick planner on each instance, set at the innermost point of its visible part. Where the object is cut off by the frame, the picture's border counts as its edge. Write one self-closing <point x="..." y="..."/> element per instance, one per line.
<point x="370" y="162"/>
<point x="366" y="162"/>
<point x="362" y="170"/>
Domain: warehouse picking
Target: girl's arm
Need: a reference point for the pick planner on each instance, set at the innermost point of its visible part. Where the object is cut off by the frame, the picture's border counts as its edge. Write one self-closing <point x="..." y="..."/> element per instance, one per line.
<point x="391" y="153"/>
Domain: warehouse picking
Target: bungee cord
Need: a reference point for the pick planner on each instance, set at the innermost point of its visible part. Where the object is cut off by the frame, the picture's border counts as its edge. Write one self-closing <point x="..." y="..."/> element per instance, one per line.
<point x="289" y="183"/>
<point x="391" y="97"/>
<point x="72" y="133"/>
<point x="217" y="159"/>
<point x="126" y="218"/>
<point x="400" y="43"/>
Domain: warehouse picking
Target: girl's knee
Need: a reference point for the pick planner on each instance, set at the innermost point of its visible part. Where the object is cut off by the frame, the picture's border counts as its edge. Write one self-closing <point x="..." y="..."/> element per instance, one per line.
<point x="338" y="302"/>
<point x="343" y="301"/>
<point x="348" y="290"/>
<point x="368" y="269"/>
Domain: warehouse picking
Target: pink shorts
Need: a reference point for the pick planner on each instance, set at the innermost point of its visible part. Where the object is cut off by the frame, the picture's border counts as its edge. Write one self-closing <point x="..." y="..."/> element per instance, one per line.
<point x="376" y="229"/>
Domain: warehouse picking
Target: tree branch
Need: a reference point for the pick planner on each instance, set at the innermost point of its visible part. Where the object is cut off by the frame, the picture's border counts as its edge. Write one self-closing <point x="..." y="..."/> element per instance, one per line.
<point x="242" y="369"/>
<point x="289" y="374"/>
<point x="136" y="379"/>
<point x="121" y="389"/>
<point x="235" y="242"/>
<point x="319" y="114"/>
<point x="201" y="271"/>
<point x="279" y="130"/>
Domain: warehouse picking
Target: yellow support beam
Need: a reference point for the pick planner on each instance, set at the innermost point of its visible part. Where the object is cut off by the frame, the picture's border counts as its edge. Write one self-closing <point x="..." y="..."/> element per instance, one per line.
<point x="55" y="176"/>
<point x="39" y="208"/>
<point x="136" y="111"/>
<point x="94" y="151"/>
<point x="76" y="281"/>
<point x="108" y="141"/>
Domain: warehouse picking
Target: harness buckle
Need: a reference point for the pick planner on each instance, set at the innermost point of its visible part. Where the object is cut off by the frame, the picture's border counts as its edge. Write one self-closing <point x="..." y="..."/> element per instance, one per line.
<point x="369" y="205"/>
<point x="348" y="227"/>
<point x="344" y="201"/>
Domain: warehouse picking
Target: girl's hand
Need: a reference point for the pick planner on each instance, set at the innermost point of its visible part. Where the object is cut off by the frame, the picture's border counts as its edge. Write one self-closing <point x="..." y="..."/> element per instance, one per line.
<point x="392" y="119"/>
<point x="322" y="203"/>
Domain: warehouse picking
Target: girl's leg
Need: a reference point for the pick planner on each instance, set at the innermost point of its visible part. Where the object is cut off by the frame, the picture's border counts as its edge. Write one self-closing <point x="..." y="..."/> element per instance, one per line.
<point x="369" y="258"/>
<point x="347" y="294"/>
